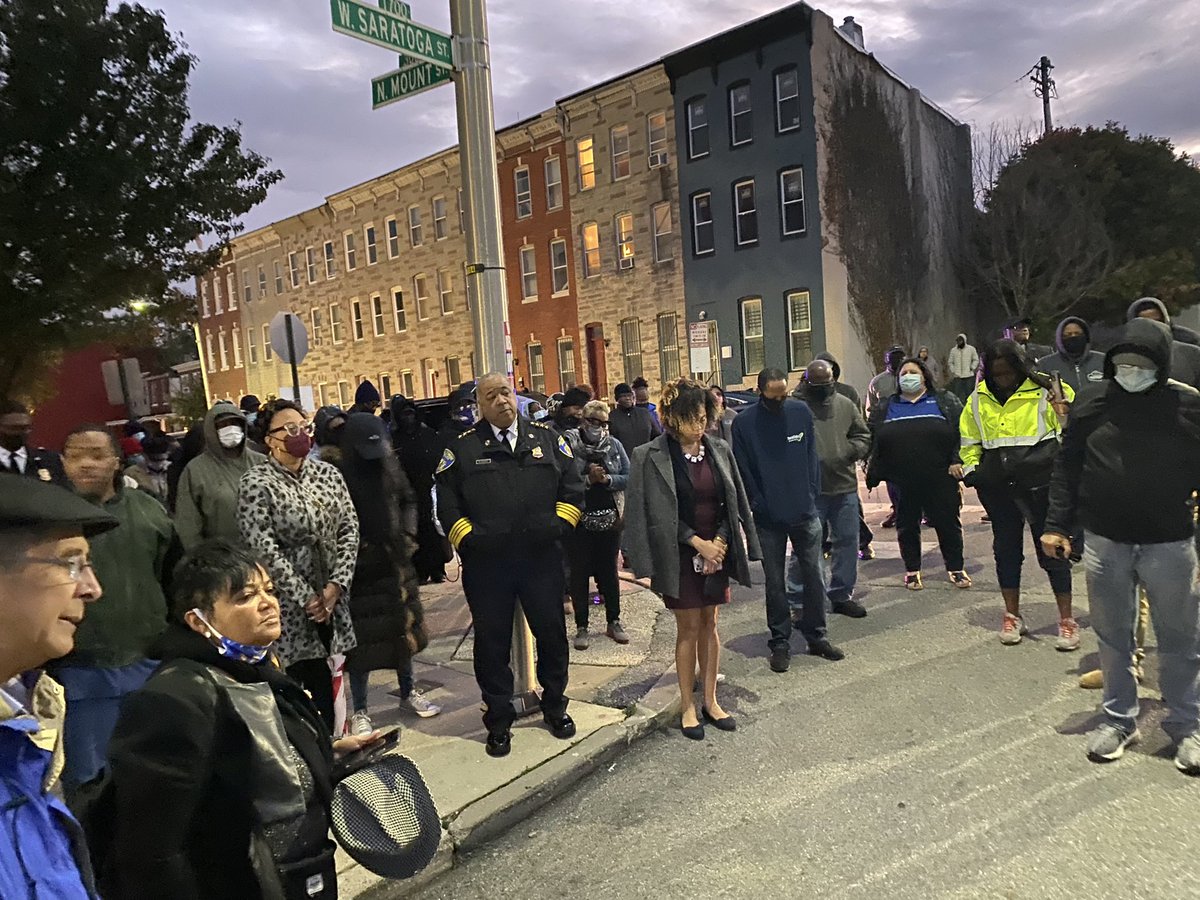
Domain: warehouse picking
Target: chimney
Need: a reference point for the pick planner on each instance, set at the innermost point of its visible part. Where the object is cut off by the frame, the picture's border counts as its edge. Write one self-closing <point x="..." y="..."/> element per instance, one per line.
<point x="853" y="30"/>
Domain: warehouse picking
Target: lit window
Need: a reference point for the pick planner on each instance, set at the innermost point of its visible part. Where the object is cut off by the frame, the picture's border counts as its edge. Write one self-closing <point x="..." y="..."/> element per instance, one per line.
<point x="529" y="285"/>
<point x="377" y="315"/>
<point x="554" y="192"/>
<point x="212" y="356"/>
<point x="697" y="122"/>
<point x="800" y="344"/>
<point x="753" y="354"/>
<point x="741" y="118"/>
<point x="585" y="158"/>
<point x="524" y="194"/>
<point x="791" y="201"/>
<point x="440" y="229"/>
<point x="590" y="238"/>
<point x="624" y="235"/>
<point x="619" y="144"/>
<point x="787" y="100"/>
<point x="558" y="266"/>
<point x="746" y="218"/>
<point x="661" y="214"/>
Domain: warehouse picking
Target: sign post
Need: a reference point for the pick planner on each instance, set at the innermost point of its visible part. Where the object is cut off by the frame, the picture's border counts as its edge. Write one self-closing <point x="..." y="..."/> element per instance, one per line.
<point x="289" y="340"/>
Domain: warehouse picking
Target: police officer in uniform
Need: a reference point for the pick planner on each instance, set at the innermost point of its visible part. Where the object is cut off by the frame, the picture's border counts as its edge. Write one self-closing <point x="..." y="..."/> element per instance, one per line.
<point x="15" y="454"/>
<point x="507" y="490"/>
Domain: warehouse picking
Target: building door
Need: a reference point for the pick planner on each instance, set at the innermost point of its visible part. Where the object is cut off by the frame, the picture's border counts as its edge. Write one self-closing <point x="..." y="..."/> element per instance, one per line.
<point x="597" y="370"/>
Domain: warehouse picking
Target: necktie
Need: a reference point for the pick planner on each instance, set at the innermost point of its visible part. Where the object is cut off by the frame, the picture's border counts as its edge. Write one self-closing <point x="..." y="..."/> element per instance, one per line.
<point x="504" y="437"/>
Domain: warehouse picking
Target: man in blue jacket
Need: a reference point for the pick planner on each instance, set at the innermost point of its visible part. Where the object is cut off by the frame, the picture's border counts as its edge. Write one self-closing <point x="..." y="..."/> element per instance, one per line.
<point x="46" y="580"/>
<point x="776" y="450"/>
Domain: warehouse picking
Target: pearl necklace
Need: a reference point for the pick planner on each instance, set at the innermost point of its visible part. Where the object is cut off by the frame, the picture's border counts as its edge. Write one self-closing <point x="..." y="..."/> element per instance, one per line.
<point x="699" y="457"/>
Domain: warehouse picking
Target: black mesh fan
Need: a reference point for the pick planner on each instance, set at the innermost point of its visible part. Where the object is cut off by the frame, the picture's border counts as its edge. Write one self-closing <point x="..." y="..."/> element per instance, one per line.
<point x="385" y="818"/>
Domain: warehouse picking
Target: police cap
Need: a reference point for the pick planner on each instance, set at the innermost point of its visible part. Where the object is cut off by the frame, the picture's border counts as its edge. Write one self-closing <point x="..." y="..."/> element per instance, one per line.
<point x="27" y="504"/>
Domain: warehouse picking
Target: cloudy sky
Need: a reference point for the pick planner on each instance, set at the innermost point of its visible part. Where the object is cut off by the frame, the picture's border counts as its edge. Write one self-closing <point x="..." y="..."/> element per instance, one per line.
<point x="302" y="92"/>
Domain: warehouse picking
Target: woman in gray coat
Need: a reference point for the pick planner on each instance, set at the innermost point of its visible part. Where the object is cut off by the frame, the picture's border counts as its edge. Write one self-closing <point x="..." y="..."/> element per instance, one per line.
<point x="686" y="509"/>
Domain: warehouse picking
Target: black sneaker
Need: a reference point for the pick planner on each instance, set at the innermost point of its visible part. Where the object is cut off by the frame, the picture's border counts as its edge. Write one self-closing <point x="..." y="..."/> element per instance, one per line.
<point x="825" y="650"/>
<point x="499" y="743"/>
<point x="867" y="552"/>
<point x="851" y="608"/>
<point x="890" y="521"/>
<point x="780" y="660"/>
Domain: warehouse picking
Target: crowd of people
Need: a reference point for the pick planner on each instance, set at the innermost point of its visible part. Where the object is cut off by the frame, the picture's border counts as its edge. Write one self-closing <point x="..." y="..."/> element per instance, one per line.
<point x="249" y="569"/>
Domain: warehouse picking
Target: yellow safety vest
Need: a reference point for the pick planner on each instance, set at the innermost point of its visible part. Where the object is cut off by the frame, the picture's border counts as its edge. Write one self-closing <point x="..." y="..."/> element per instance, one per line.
<point x="1024" y="420"/>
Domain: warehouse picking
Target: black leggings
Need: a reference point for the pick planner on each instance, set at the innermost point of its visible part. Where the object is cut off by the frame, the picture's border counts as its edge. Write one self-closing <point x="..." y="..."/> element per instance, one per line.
<point x="314" y="676"/>
<point x="941" y="501"/>
<point x="594" y="553"/>
<point x="1011" y="511"/>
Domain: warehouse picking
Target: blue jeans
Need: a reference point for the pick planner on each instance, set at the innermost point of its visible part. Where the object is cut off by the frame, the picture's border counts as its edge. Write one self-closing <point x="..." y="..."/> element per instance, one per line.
<point x="1168" y="573"/>
<point x="94" y="696"/>
<point x="360" y="683"/>
<point x="806" y="543"/>
<point x="839" y="515"/>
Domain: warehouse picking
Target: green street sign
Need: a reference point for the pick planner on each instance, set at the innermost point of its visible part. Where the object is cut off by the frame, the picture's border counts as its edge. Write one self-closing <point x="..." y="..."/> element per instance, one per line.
<point x="396" y="8"/>
<point x="406" y="82"/>
<point x="356" y="19"/>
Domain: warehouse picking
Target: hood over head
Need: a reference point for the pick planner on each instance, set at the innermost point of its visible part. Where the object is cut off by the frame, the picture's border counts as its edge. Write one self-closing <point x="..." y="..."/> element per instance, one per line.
<point x="1082" y="323"/>
<point x="1145" y="302"/>
<point x="367" y="393"/>
<point x="321" y="422"/>
<point x="1146" y="338"/>
<point x="828" y="357"/>
<point x="221" y="409"/>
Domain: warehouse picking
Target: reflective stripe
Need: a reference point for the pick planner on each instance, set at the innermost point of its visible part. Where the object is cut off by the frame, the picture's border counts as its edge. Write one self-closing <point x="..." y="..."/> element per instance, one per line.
<point x="568" y="513"/>
<point x="1015" y="441"/>
<point x="1043" y="430"/>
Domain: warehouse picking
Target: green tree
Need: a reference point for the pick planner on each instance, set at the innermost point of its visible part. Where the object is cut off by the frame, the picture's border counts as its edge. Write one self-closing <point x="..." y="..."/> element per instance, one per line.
<point x="105" y="185"/>
<point x="190" y="404"/>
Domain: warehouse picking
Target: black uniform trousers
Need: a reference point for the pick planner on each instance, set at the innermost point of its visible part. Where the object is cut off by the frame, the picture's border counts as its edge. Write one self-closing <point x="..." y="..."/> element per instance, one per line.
<point x="493" y="582"/>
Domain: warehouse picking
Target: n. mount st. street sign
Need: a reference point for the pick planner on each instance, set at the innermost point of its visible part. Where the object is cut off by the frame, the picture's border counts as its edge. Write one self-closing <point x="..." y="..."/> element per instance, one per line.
<point x="407" y="81"/>
<point x="384" y="29"/>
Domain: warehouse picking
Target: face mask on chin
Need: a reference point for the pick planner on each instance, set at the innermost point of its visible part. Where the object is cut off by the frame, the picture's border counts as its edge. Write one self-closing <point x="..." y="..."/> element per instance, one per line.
<point x="232" y="649"/>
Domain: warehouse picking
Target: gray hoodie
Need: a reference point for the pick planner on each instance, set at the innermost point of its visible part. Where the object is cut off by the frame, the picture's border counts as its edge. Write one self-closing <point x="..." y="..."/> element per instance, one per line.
<point x="842" y="440"/>
<point x="1185" y="355"/>
<point x="1078" y="371"/>
<point x="207" y="502"/>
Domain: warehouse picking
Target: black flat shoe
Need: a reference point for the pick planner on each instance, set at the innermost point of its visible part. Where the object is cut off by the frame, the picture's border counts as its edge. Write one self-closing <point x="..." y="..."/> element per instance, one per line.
<point x="499" y="743"/>
<point x="693" y="732"/>
<point x="825" y="650"/>
<point x="562" y="727"/>
<point x="726" y="724"/>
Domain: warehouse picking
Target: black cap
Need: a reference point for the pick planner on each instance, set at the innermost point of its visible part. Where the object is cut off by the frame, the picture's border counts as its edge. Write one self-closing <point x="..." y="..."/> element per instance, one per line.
<point x="622" y="389"/>
<point x="249" y="403"/>
<point x="27" y="504"/>
<point x="575" y="396"/>
<point x="366" y="435"/>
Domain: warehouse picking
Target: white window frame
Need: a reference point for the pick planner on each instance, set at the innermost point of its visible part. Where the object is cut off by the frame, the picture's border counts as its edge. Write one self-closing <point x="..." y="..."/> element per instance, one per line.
<point x="445" y="286"/>
<point x="528" y="257"/>
<point x="391" y="228"/>
<point x="795" y="364"/>
<point x="656" y="145"/>
<point x="739" y="213"/>
<point x="407" y="385"/>
<point x="693" y="129"/>
<point x="350" y="248"/>
<point x="416" y="232"/>
<point x="554" y="186"/>
<point x="218" y="297"/>
<point x="268" y="353"/>
<point x="453" y="372"/>
<point x="280" y="284"/>
<point x="663" y="251"/>
<point x="294" y="268"/>
<point x="734" y="115"/>
<point x="698" y="223"/>
<point x="623" y="237"/>
<point x="344" y="395"/>
<point x="621" y="159"/>
<point x="212" y="354"/>
<point x="247" y="289"/>
<point x="560" y="267"/>
<point x="205" y="310"/>
<point x="385" y="386"/>
<point x="377" y="319"/>
<point x="746" y="337"/>
<point x="589" y="270"/>
<point x="563" y="382"/>
<point x="262" y="281"/>
<point x="232" y="290"/>
<point x="784" y="203"/>
<point x="780" y="99"/>
<point x="537" y="374"/>
<point x="371" y="243"/>
<point x="421" y="296"/>
<point x="316" y="332"/>
<point x="235" y="335"/>
<point x="587" y="173"/>
<point x="310" y="264"/>
<point x="330" y="261"/>
<point x="399" y="315"/>
<point x="335" y="324"/>
<point x="441" y="230"/>
<point x="251" y="347"/>
<point x="524" y="205"/>
<point x="357" y="330"/>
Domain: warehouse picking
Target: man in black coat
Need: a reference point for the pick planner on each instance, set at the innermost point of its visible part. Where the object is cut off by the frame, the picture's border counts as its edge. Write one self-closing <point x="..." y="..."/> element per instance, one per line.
<point x="629" y="423"/>
<point x="15" y="453"/>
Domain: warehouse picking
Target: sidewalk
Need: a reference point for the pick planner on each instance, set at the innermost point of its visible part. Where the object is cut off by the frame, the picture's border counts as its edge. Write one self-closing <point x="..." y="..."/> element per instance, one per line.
<point x="618" y="694"/>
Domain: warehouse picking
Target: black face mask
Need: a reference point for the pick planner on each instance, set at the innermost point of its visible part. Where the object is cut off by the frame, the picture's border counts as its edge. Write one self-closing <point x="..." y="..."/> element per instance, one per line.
<point x="569" y="421"/>
<point x="1075" y="344"/>
<point x="772" y="406"/>
<point x="820" y="392"/>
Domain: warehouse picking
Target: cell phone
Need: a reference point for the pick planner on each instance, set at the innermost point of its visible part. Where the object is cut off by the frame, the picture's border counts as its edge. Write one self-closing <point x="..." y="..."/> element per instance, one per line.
<point x="352" y="762"/>
<point x="698" y="563"/>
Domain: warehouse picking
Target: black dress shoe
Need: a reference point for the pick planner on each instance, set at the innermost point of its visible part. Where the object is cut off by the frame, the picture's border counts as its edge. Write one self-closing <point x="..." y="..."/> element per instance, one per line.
<point x="499" y="743"/>
<point x="825" y="650"/>
<point x="726" y="724"/>
<point x="780" y="660"/>
<point x="851" y="608"/>
<point x="692" y="732"/>
<point x="562" y="727"/>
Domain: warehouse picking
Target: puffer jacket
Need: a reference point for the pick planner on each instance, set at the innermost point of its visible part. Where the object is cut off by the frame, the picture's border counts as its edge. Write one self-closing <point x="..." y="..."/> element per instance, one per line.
<point x="1012" y="443"/>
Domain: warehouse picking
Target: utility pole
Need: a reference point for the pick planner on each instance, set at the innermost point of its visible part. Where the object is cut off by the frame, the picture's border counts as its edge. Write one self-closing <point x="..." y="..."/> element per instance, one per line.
<point x="1043" y="86"/>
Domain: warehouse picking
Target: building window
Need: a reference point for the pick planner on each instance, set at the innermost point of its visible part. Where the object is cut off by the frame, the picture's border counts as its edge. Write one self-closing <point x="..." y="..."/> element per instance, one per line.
<point x="231" y="283"/>
<point x="656" y="139"/>
<point x="741" y="117"/>
<point x="236" y="335"/>
<point x="204" y="308"/>
<point x="344" y="394"/>
<point x="372" y="244"/>
<point x="356" y="319"/>
<point x="385" y="385"/>
<point x="440" y="229"/>
<point x="566" y="363"/>
<point x="585" y="158"/>
<point x="335" y="323"/>
<point x="406" y="383"/>
<point x="445" y="283"/>
<point x="351" y="244"/>
<point x="324" y="395"/>
<point x="536" y="368"/>
<point x="294" y="268"/>
<point x="524" y="194"/>
<point x="221" y="349"/>
<point x="262" y="282"/>
<point x="787" y="100"/>
<point x="399" y="319"/>
<point x="753" y="354"/>
<point x="529" y="285"/>
<point x="393" y="237"/>
<point x="590" y="239"/>
<point x="278" y="277"/>
<point x="212" y="356"/>
<point x="377" y="315"/>
<point x="800" y="343"/>
<point x="247" y="291"/>
<point x="619" y="146"/>
<point x="631" y="348"/>
<point x="697" y="123"/>
<point x="219" y="306"/>
<point x="251" y="347"/>
<point x="559" y="276"/>
<point x="668" y="346"/>
<point x="421" y="293"/>
<point x="623" y="227"/>
<point x="702" y="224"/>
<point x="661" y="215"/>
<point x="746" y="216"/>
<point x="414" y="226"/>
<point x="554" y="191"/>
<point x="453" y="372"/>
<point x="314" y="317"/>
<point x="330" y="261"/>
<point x="268" y="351"/>
<point x="310" y="260"/>
<point x="791" y="201"/>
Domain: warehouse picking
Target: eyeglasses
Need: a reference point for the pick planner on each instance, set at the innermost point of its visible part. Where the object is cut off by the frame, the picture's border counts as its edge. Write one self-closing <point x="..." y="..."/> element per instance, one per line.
<point x="293" y="429"/>
<point x="75" y="565"/>
<point x="598" y="423"/>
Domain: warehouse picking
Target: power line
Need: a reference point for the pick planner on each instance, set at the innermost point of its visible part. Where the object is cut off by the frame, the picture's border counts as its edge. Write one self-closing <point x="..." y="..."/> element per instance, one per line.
<point x="1007" y="85"/>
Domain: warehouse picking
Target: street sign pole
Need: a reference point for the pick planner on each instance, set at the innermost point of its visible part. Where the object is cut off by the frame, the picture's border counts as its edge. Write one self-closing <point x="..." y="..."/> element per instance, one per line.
<point x="486" y="290"/>
<point x="291" y="345"/>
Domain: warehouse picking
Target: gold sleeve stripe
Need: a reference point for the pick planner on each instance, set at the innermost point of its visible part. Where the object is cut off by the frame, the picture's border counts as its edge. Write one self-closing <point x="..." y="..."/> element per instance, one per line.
<point x="570" y="514"/>
<point x="458" y="531"/>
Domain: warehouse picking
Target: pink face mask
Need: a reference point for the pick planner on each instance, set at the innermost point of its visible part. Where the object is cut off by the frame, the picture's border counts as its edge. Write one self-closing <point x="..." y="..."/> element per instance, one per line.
<point x="298" y="445"/>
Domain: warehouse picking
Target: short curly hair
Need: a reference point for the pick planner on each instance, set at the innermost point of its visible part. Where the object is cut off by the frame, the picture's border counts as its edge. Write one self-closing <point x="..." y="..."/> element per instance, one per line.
<point x="686" y="400"/>
<point x="267" y="412"/>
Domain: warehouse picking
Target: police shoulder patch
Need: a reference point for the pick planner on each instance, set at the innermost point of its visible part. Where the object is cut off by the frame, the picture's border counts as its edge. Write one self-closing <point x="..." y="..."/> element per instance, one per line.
<point x="446" y="461"/>
<point x="564" y="448"/>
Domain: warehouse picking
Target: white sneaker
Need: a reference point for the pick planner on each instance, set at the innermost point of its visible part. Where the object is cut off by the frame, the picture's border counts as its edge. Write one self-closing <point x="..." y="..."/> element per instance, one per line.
<point x="416" y="702"/>
<point x="360" y="724"/>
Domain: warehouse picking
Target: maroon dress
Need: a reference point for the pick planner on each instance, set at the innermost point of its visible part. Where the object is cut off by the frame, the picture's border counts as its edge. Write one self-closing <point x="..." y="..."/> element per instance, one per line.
<point x="708" y="522"/>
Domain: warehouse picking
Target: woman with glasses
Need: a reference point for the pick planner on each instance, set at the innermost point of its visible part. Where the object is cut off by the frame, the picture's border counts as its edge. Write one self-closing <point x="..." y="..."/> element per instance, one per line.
<point x="592" y="547"/>
<point x="296" y="514"/>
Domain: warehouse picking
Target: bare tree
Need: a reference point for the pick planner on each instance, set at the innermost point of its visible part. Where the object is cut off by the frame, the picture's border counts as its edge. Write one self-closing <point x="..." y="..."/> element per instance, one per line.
<point x="995" y="147"/>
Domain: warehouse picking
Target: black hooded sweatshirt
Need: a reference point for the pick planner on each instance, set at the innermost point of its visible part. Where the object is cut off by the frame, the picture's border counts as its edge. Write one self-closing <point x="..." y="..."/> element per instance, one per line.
<point x="1130" y="462"/>
<point x="1185" y="355"/>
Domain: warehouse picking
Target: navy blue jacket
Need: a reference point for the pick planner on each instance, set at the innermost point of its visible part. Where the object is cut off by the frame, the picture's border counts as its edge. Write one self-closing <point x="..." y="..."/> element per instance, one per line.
<point x="777" y="456"/>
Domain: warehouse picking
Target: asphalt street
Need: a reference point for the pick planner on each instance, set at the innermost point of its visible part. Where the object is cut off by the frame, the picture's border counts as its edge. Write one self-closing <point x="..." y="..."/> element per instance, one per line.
<point x="931" y="762"/>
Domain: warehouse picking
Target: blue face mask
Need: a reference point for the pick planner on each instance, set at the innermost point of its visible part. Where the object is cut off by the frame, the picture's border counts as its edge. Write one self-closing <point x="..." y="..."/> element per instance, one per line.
<point x="466" y="415"/>
<point x="230" y="648"/>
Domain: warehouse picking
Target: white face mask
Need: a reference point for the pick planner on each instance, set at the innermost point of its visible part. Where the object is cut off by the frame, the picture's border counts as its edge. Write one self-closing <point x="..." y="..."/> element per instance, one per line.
<point x="1135" y="379"/>
<point x="911" y="382"/>
<point x="231" y="436"/>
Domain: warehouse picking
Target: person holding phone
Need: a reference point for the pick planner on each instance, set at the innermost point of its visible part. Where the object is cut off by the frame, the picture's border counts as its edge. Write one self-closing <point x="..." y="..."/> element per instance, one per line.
<point x="220" y="767"/>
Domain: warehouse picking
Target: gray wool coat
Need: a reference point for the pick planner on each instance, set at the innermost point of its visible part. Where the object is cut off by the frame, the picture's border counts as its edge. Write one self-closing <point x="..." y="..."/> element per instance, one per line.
<point x="653" y="531"/>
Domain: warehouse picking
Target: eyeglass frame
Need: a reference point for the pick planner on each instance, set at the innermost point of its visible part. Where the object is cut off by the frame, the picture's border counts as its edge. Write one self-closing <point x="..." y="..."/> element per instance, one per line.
<point x="75" y="564"/>
<point x="597" y="423"/>
<point x="293" y="429"/>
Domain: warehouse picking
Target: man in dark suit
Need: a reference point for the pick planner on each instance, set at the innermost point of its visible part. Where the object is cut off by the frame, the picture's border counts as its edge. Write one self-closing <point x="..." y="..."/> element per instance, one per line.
<point x="15" y="453"/>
